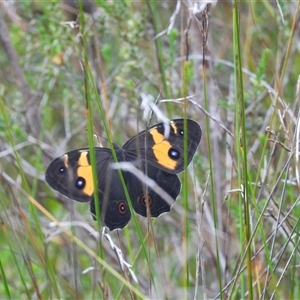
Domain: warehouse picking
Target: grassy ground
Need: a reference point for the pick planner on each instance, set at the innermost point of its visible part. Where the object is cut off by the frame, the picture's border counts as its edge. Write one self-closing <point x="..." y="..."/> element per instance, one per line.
<point x="233" y="232"/>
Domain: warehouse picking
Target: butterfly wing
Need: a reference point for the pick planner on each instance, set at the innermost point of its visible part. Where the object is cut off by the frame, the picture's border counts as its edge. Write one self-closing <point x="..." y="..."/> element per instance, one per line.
<point x="71" y="175"/>
<point x="114" y="208"/>
<point x="163" y="146"/>
<point x="142" y="195"/>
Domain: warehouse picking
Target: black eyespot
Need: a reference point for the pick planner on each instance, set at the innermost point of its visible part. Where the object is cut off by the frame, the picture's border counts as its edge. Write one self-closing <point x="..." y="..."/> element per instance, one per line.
<point x="62" y="170"/>
<point x="174" y="154"/>
<point x="181" y="132"/>
<point x="80" y="183"/>
<point x="144" y="201"/>
<point x="122" y="208"/>
<point x="166" y="174"/>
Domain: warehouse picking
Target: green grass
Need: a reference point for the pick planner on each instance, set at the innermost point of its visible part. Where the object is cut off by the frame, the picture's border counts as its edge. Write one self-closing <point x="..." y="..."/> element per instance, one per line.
<point x="233" y="233"/>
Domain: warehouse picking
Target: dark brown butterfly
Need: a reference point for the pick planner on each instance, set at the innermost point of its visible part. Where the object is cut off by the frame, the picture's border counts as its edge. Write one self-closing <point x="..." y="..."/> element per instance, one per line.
<point x="158" y="152"/>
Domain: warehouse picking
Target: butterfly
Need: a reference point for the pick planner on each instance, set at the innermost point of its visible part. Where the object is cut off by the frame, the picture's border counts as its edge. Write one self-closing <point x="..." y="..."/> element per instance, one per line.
<point x="158" y="152"/>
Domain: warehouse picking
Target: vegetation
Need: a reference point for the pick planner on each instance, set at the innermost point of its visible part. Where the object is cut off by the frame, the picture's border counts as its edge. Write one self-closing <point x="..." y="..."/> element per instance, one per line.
<point x="233" y="232"/>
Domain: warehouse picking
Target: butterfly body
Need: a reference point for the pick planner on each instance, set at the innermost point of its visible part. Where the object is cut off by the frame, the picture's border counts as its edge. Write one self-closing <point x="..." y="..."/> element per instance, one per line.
<point x="157" y="152"/>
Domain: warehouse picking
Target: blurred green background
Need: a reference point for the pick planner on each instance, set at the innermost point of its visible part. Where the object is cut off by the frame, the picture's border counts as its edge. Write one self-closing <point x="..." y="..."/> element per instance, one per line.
<point x="235" y="233"/>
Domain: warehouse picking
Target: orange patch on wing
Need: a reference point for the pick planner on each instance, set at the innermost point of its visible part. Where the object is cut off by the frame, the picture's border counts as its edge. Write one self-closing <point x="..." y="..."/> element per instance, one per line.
<point x="161" y="149"/>
<point x="173" y="125"/>
<point x="66" y="160"/>
<point x="85" y="171"/>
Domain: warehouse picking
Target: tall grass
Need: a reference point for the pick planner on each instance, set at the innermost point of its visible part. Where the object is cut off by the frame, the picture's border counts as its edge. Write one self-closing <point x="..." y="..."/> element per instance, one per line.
<point x="233" y="232"/>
